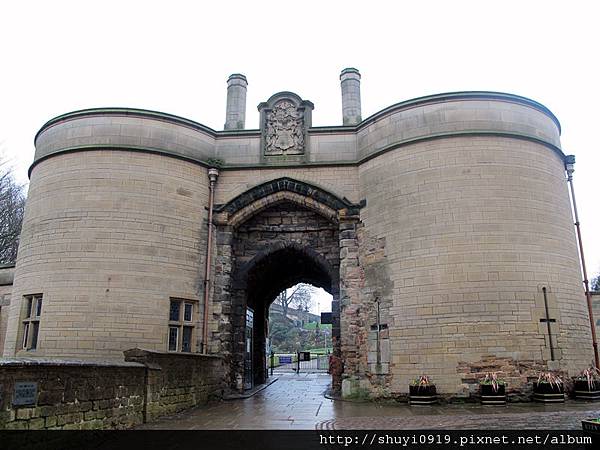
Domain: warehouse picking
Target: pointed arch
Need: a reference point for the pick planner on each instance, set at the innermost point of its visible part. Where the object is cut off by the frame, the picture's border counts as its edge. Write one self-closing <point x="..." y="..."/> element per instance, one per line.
<point x="254" y="200"/>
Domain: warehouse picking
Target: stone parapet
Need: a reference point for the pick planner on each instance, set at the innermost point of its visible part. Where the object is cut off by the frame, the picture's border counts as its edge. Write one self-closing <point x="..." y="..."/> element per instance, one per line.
<point x="72" y="395"/>
<point x="425" y="118"/>
<point x="80" y="394"/>
<point x="177" y="381"/>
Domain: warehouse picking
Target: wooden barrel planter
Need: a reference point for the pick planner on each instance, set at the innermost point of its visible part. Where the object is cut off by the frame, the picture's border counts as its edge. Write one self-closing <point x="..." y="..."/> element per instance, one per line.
<point x="489" y="396"/>
<point x="584" y="392"/>
<point x="548" y="393"/>
<point x="422" y="395"/>
<point x="592" y="427"/>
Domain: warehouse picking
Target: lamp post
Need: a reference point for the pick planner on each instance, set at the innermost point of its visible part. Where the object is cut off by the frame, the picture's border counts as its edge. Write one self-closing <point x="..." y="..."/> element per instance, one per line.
<point x="213" y="174"/>
<point x="570" y="168"/>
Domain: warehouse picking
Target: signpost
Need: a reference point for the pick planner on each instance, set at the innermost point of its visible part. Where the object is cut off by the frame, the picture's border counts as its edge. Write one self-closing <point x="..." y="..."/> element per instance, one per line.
<point x="303" y="356"/>
<point x="326" y="318"/>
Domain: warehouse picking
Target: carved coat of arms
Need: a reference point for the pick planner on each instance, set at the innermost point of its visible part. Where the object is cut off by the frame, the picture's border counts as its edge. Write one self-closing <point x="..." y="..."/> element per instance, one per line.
<point x="284" y="132"/>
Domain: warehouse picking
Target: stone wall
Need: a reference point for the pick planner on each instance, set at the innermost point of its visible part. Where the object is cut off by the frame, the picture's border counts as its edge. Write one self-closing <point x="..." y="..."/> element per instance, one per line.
<point x="73" y="395"/>
<point x="109" y="238"/>
<point x="401" y="123"/>
<point x="466" y="223"/>
<point x="5" y="294"/>
<point x="107" y="395"/>
<point x="281" y="241"/>
<point x="474" y="229"/>
<point x="6" y="281"/>
<point x="518" y="376"/>
<point x="179" y="381"/>
<point x="596" y="309"/>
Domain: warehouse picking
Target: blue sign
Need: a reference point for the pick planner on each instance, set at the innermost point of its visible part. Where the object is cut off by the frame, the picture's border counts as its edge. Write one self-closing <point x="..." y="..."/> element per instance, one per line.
<point x="285" y="359"/>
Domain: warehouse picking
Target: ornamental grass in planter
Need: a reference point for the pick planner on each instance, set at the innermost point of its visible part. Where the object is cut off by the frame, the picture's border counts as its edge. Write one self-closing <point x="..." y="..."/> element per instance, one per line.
<point x="586" y="385"/>
<point x="422" y="391"/>
<point x="549" y="388"/>
<point x="492" y="390"/>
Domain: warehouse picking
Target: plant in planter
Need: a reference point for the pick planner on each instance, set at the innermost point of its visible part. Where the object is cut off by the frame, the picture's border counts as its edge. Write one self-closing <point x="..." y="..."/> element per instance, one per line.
<point x="591" y="426"/>
<point x="549" y="388"/>
<point x="492" y="390"/>
<point x="587" y="384"/>
<point x="422" y="391"/>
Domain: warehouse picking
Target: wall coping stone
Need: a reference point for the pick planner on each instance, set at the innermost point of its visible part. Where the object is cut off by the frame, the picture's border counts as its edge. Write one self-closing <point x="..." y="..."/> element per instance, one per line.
<point x="406" y="104"/>
<point x="32" y="362"/>
<point x="137" y="352"/>
<point x="7" y="274"/>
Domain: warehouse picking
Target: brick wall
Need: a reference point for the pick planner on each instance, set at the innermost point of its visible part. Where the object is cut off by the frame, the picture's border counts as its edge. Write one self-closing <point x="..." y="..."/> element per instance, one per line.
<point x="75" y="394"/>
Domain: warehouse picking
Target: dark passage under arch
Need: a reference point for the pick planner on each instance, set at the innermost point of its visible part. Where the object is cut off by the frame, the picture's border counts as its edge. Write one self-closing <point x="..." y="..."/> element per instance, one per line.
<point x="278" y="247"/>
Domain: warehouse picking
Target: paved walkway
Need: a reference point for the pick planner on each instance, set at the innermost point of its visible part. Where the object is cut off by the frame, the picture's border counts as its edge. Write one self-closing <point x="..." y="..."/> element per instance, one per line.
<point x="298" y="402"/>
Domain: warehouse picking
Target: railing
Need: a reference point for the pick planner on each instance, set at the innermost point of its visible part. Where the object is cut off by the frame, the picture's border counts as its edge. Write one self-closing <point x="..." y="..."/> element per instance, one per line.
<point x="288" y="362"/>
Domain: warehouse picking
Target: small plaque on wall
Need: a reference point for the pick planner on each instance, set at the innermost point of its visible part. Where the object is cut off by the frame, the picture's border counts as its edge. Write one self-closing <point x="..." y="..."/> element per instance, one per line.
<point x="25" y="393"/>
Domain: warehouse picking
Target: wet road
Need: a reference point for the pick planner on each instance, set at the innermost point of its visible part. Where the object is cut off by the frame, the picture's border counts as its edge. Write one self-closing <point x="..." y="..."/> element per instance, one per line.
<point x="298" y="402"/>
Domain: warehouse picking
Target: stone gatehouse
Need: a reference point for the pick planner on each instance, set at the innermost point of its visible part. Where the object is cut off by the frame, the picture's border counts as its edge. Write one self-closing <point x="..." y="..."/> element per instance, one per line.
<point x="437" y="224"/>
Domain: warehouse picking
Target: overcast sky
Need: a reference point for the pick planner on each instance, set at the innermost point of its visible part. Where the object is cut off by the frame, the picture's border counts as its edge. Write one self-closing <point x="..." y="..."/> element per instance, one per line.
<point x="175" y="56"/>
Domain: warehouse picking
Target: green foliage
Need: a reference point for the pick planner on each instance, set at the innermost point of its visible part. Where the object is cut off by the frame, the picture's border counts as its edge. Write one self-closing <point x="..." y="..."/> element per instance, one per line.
<point x="313" y="326"/>
<point x="288" y="337"/>
<point x="215" y="162"/>
<point x="359" y="394"/>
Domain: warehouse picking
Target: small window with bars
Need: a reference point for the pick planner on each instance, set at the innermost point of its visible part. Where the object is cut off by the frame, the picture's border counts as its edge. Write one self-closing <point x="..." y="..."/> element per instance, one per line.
<point x="182" y="316"/>
<point x="31" y="321"/>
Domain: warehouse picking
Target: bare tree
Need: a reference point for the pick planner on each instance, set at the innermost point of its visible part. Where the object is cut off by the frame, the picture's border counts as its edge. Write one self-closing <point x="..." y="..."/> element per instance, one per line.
<point x="595" y="283"/>
<point x="299" y="297"/>
<point x="12" y="206"/>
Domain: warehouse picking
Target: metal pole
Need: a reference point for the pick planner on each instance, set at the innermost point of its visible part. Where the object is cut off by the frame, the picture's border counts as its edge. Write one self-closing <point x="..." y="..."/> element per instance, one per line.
<point x="378" y="336"/>
<point x="570" y="163"/>
<point x="213" y="174"/>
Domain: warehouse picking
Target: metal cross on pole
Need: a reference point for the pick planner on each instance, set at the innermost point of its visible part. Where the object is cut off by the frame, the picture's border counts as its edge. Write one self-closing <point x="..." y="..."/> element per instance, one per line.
<point x="378" y="333"/>
<point x="548" y="320"/>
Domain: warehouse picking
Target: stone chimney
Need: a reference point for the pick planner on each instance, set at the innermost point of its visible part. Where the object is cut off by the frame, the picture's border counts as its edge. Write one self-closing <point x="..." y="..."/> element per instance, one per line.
<point x="235" y="116"/>
<point x="350" y="81"/>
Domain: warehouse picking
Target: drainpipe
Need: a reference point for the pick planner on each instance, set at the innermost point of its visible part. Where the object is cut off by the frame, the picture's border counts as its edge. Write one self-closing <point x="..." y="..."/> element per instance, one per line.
<point x="570" y="168"/>
<point x="213" y="174"/>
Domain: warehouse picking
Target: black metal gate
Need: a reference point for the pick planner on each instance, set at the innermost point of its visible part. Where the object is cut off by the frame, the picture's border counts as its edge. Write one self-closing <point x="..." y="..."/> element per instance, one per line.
<point x="299" y="362"/>
<point x="248" y="354"/>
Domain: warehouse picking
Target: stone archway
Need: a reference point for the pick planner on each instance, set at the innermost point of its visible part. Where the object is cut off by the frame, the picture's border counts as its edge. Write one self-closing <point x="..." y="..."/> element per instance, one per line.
<point x="271" y="237"/>
<point x="257" y="283"/>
